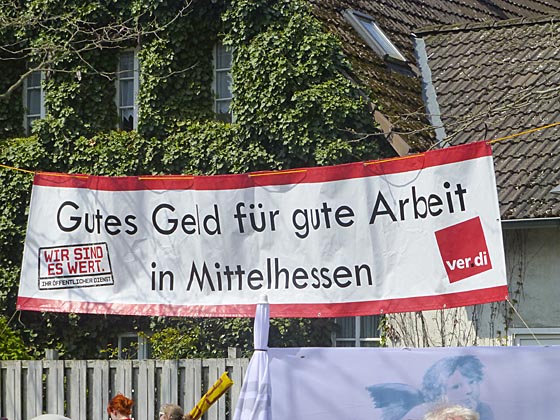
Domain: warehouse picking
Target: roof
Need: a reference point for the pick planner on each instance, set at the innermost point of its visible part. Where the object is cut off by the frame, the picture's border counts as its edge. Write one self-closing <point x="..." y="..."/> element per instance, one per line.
<point x="400" y="97"/>
<point x="474" y="43"/>
<point x="494" y="80"/>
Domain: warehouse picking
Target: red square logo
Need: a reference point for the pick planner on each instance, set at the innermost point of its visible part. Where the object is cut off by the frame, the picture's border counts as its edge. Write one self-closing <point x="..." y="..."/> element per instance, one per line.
<point x="463" y="250"/>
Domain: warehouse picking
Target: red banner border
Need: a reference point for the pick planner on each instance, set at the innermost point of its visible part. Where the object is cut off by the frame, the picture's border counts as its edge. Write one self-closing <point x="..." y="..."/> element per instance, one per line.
<point x="415" y="162"/>
<point x="301" y="310"/>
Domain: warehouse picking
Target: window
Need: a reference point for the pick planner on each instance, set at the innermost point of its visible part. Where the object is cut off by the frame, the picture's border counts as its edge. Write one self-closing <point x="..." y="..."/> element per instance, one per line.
<point x="222" y="82"/>
<point x="374" y="36"/>
<point x="535" y="336"/>
<point x="127" y="90"/>
<point x="34" y="101"/>
<point x="359" y="331"/>
<point x="133" y="346"/>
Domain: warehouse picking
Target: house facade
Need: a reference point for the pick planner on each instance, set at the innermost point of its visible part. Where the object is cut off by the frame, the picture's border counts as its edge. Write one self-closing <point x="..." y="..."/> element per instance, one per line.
<point x="204" y="89"/>
<point x="498" y="81"/>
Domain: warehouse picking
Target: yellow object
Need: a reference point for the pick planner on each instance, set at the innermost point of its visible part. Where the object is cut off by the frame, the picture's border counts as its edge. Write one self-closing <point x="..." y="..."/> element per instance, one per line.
<point x="218" y="389"/>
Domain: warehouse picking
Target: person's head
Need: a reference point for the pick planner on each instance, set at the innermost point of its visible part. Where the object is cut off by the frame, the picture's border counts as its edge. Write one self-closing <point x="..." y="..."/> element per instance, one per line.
<point x="119" y="407"/>
<point x="455" y="380"/>
<point x="452" y="412"/>
<point x="170" y="412"/>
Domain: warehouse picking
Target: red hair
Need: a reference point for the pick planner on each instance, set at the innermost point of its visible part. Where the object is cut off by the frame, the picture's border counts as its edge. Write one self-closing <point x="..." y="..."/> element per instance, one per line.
<point x="121" y="405"/>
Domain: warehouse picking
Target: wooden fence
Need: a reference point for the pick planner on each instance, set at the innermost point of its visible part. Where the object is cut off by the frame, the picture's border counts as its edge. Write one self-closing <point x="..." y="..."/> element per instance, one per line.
<point x="81" y="389"/>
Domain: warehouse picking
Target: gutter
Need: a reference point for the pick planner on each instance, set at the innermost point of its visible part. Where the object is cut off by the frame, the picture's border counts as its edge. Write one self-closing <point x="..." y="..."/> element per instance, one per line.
<point x="548" y="222"/>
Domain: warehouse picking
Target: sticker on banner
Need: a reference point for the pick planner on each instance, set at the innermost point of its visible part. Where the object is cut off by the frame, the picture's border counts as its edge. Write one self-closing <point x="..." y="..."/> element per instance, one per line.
<point x="72" y="266"/>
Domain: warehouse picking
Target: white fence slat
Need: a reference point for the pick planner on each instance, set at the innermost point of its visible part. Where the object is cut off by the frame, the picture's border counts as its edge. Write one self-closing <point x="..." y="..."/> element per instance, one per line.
<point x="169" y="388"/>
<point x="100" y="385"/>
<point x="13" y="390"/>
<point x="145" y="394"/>
<point x="77" y="389"/>
<point x="215" y="369"/>
<point x="192" y="386"/>
<point x="238" y="369"/>
<point x="55" y="386"/>
<point x="123" y="382"/>
<point x="34" y="397"/>
<point x="81" y="389"/>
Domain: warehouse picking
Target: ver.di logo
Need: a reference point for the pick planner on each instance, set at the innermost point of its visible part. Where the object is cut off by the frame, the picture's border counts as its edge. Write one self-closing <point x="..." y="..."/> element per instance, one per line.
<point x="463" y="250"/>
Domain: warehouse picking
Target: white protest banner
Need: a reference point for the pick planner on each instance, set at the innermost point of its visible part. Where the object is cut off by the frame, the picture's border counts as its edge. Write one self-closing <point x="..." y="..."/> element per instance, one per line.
<point x="405" y="384"/>
<point x="416" y="233"/>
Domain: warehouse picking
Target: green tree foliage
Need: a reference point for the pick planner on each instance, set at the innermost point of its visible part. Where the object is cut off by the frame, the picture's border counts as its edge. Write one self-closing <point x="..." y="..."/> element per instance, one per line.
<point x="211" y="337"/>
<point x="12" y="346"/>
<point x="290" y="95"/>
<point x="292" y="107"/>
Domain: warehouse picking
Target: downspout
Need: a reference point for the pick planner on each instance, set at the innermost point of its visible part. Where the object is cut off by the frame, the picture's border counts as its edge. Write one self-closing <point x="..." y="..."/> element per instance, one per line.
<point x="428" y="91"/>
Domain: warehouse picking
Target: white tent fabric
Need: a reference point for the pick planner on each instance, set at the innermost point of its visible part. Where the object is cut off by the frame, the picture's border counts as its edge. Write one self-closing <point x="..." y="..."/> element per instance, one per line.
<point x="254" y="399"/>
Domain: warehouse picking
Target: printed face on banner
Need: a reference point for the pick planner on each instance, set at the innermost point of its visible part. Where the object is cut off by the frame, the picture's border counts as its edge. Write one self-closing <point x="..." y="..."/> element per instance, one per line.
<point x="449" y="380"/>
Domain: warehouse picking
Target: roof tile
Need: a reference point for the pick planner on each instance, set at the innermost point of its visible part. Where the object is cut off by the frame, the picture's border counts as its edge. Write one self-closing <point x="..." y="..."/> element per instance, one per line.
<point x="494" y="67"/>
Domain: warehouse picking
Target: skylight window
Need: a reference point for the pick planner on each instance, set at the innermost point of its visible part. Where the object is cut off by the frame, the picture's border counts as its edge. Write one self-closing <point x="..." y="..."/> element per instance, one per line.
<point x="373" y="35"/>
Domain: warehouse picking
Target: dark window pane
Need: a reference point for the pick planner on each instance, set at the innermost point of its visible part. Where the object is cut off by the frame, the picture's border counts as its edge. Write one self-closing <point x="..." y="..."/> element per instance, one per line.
<point x="223" y="85"/>
<point x="34" y="79"/>
<point x="347" y="327"/>
<point x="126" y="65"/>
<point x="223" y="57"/>
<point x="369" y="326"/>
<point x="34" y="102"/>
<point x="127" y="119"/>
<point x="126" y="93"/>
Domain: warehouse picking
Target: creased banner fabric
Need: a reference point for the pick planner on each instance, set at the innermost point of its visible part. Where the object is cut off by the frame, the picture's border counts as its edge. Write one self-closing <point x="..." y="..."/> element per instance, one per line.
<point x="415" y="233"/>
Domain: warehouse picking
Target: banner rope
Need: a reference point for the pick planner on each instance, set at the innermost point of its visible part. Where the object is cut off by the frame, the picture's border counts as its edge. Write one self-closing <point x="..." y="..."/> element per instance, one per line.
<point x="524" y="323"/>
<point x="532" y="130"/>
<point x="16" y="169"/>
<point x="267" y="173"/>
<point x="8" y="323"/>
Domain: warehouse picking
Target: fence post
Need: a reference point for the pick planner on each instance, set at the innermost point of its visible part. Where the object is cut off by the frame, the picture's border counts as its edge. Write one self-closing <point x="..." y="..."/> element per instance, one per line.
<point x="51" y="354"/>
<point x="233" y="352"/>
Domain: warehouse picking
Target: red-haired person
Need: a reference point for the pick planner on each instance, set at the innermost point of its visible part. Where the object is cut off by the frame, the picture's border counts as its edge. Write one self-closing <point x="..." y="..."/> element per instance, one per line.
<point x="120" y="407"/>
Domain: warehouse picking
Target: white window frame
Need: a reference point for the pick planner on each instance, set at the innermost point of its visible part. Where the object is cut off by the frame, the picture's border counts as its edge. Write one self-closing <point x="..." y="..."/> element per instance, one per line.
<point x="357" y="340"/>
<point x="217" y="70"/>
<point x="386" y="48"/>
<point x="143" y="345"/>
<point x="26" y="89"/>
<point x="529" y="337"/>
<point x="136" y="86"/>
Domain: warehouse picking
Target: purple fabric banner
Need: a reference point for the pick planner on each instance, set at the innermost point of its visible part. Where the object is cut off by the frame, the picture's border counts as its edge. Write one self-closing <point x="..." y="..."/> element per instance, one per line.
<point x="403" y="384"/>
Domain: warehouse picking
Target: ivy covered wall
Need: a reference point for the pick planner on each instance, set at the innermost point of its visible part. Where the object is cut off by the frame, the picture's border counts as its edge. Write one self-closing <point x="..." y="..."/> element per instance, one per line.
<point x="292" y="107"/>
